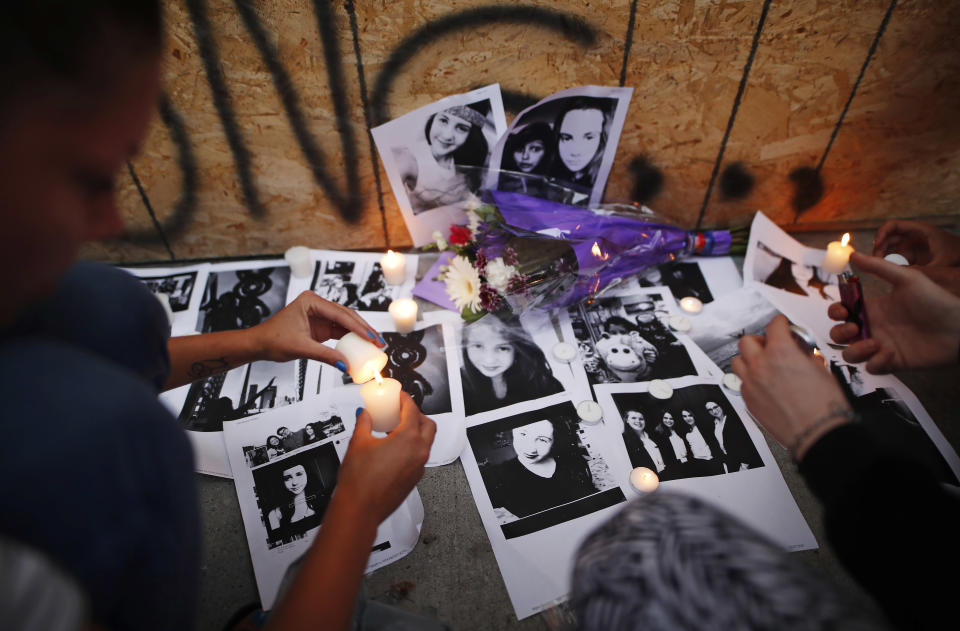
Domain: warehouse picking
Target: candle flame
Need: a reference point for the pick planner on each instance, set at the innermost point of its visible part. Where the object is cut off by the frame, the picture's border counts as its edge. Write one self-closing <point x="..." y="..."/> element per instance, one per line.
<point x="379" y="379"/>
<point x="816" y="353"/>
<point x="597" y="252"/>
<point x="846" y="239"/>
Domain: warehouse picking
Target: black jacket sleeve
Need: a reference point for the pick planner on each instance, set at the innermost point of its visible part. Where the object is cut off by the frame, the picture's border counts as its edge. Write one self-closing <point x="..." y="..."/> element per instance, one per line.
<point x="891" y="524"/>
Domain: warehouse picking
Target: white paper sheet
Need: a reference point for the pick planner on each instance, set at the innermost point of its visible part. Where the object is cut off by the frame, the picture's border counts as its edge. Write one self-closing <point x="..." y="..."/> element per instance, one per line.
<point x="426" y="362"/>
<point x="535" y="550"/>
<point x="790" y="275"/>
<point x="275" y="541"/>
<point x="416" y="147"/>
<point x="355" y="279"/>
<point x="183" y="286"/>
<point x="577" y="131"/>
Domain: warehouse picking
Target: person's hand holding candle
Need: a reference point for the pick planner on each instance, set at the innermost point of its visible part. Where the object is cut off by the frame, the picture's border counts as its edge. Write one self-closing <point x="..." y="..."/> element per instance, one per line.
<point x="378" y="473"/>
<point x="916" y="325"/>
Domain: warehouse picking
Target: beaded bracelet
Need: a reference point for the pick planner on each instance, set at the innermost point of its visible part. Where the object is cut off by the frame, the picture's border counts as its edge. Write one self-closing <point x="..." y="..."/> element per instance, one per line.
<point x="835" y="411"/>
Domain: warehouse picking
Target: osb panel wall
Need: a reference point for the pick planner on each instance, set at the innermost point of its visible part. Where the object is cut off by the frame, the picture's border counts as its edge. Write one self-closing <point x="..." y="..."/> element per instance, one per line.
<point x="841" y="110"/>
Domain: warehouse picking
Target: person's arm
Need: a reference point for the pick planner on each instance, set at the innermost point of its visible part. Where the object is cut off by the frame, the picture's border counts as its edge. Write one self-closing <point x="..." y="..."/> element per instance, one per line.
<point x="920" y="243"/>
<point x="377" y="474"/>
<point x="295" y="332"/>
<point x="890" y="523"/>
<point x="916" y="325"/>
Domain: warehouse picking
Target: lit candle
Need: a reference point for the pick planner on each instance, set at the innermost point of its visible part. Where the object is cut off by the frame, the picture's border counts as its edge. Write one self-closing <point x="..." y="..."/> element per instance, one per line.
<point x="364" y="360"/>
<point x="838" y="254"/>
<point x="394" y="267"/>
<point x="691" y="305"/>
<point x="298" y="258"/>
<point x="644" y="480"/>
<point x="381" y="397"/>
<point x="404" y="314"/>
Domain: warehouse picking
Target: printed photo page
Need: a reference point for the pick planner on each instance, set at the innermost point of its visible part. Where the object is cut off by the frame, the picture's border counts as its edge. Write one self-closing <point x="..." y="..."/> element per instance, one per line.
<point x="285" y="464"/>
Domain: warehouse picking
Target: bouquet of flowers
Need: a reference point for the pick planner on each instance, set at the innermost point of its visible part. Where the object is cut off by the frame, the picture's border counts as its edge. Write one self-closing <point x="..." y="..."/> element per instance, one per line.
<point x="519" y="252"/>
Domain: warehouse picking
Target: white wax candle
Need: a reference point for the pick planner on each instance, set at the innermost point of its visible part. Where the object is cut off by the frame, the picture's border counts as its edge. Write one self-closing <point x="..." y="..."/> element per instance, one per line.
<point x="838" y="254"/>
<point x="394" y="267"/>
<point x="364" y="360"/>
<point x="644" y="480"/>
<point x="404" y="314"/>
<point x="381" y="397"/>
<point x="691" y="304"/>
<point x="298" y="258"/>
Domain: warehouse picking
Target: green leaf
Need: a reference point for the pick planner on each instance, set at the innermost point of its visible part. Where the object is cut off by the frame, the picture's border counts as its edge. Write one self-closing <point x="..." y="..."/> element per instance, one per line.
<point x="469" y="315"/>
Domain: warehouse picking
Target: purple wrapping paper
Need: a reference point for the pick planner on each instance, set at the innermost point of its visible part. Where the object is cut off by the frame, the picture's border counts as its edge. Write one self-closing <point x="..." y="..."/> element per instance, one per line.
<point x="608" y="247"/>
<point x="436" y="290"/>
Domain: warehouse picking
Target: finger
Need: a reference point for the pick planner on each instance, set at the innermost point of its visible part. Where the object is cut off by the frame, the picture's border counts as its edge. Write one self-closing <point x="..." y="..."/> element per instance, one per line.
<point x="837" y="311"/>
<point x="428" y="429"/>
<point x="890" y="272"/>
<point x="884" y="234"/>
<point x="751" y="347"/>
<point x="780" y="335"/>
<point x="349" y="319"/>
<point x="739" y="368"/>
<point x="861" y="351"/>
<point x="322" y="353"/>
<point x="844" y="333"/>
<point x="882" y="362"/>
<point x="364" y="424"/>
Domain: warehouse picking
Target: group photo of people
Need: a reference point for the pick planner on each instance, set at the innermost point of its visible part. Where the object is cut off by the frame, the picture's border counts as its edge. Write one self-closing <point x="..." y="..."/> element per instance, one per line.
<point x="286" y="439"/>
<point x="293" y="493"/>
<point x="694" y="433"/>
<point x="537" y="461"/>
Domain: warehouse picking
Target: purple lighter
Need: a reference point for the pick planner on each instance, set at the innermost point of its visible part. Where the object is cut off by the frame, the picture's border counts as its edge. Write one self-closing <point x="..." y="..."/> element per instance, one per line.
<point x="851" y="297"/>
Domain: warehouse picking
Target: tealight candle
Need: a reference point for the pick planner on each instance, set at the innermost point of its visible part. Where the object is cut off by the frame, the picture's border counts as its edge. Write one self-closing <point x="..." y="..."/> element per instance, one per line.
<point x="364" y="360"/>
<point x="298" y="258"/>
<point x="838" y="255"/>
<point x="381" y="397"/>
<point x="691" y="305"/>
<point x="644" y="480"/>
<point x="404" y="314"/>
<point x="394" y="267"/>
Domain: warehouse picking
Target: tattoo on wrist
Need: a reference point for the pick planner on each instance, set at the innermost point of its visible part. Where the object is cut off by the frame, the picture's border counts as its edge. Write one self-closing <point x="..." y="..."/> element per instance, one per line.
<point x="207" y="367"/>
<point x="837" y="411"/>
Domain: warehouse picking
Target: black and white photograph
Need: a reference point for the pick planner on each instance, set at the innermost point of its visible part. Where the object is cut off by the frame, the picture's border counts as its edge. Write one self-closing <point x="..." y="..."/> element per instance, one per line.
<point x="694" y="433"/>
<point x="177" y="287"/>
<point x="288" y="438"/>
<point x="888" y="417"/>
<point x="436" y="156"/>
<point x="562" y="148"/>
<point x="418" y="361"/>
<point x="358" y="285"/>
<point x="241" y="392"/>
<point x="778" y="271"/>
<point x="539" y="470"/>
<point x="239" y="298"/>
<point x="683" y="278"/>
<point x="626" y="339"/>
<point x="501" y="364"/>
<point x="722" y="323"/>
<point x="293" y="493"/>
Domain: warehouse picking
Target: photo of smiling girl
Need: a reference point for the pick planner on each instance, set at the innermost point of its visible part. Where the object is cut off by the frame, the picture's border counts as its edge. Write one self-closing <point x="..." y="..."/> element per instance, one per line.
<point x="444" y="167"/>
<point x="501" y="366"/>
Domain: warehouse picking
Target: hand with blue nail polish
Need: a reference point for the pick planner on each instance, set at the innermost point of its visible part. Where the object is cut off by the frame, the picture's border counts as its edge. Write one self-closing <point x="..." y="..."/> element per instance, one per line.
<point x="299" y="330"/>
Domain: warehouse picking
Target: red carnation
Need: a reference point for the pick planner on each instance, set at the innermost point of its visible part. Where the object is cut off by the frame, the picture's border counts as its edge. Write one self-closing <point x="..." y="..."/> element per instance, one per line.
<point x="460" y="235"/>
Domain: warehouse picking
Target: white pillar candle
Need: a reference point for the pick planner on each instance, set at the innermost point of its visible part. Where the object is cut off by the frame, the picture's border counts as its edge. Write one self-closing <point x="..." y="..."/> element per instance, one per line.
<point x="691" y="305"/>
<point x="404" y="314"/>
<point x="298" y="258"/>
<point x="394" y="267"/>
<point x="381" y="397"/>
<point x="364" y="360"/>
<point x="838" y="254"/>
<point x="644" y="480"/>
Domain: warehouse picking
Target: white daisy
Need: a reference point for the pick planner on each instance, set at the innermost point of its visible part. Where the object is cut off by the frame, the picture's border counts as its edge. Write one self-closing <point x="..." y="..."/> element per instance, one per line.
<point x="463" y="283"/>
